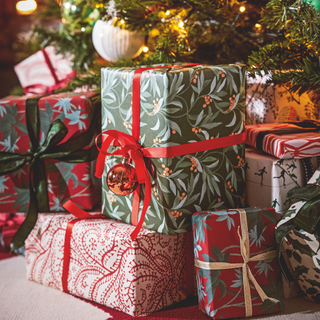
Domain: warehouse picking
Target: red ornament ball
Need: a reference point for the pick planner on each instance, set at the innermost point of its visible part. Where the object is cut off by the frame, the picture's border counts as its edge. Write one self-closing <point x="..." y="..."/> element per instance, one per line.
<point x="122" y="179"/>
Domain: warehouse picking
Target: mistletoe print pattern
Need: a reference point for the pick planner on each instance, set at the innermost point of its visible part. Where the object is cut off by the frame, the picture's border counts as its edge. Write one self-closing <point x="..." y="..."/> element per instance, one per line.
<point x="179" y="106"/>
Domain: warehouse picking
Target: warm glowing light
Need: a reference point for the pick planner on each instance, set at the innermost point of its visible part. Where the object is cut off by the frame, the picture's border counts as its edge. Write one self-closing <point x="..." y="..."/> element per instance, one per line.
<point x="83" y="29"/>
<point x="63" y="20"/>
<point x="145" y="49"/>
<point x="167" y="12"/>
<point x="26" y="6"/>
<point x="122" y="21"/>
<point x="67" y="5"/>
<point x="74" y="7"/>
<point x="242" y="9"/>
<point x="258" y="25"/>
<point x="181" y="24"/>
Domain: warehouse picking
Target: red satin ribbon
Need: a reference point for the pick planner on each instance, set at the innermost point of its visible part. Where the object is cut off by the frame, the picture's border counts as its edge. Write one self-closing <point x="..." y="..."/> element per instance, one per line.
<point x="130" y="148"/>
<point x="42" y="89"/>
<point x="80" y="215"/>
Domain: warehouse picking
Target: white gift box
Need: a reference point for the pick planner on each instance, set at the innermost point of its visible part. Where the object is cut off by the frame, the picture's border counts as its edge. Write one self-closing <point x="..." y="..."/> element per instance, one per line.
<point x="268" y="179"/>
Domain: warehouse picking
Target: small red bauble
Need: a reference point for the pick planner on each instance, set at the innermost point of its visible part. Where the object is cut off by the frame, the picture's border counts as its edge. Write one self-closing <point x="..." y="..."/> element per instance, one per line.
<point x="122" y="179"/>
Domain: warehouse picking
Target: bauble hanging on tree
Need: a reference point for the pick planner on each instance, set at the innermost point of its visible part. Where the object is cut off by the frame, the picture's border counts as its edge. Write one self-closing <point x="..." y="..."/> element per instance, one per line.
<point x="114" y="43"/>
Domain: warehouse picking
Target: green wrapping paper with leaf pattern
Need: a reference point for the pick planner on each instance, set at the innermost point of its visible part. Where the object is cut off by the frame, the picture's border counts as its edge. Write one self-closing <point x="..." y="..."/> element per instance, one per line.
<point x="179" y="105"/>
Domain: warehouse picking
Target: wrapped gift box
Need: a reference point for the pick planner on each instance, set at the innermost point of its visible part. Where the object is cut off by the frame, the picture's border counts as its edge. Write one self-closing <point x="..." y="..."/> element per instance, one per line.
<point x="268" y="179"/>
<point x="44" y="71"/>
<point x="179" y="106"/>
<point x="269" y="103"/>
<point x="47" y="155"/>
<point x="297" y="235"/>
<point x="65" y="177"/>
<point x="137" y="277"/>
<point x="9" y="224"/>
<point x="236" y="263"/>
<point x="284" y="141"/>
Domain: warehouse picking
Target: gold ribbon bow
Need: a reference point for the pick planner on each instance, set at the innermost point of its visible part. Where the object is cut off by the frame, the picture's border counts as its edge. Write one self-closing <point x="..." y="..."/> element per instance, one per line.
<point x="246" y="272"/>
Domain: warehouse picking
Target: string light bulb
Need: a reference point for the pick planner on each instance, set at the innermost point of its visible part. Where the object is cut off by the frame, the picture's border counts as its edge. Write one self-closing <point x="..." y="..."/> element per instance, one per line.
<point x="242" y="9"/>
<point x="145" y="49"/>
<point x="258" y="27"/>
<point x="26" y="6"/>
<point x="181" y="24"/>
<point x="167" y="12"/>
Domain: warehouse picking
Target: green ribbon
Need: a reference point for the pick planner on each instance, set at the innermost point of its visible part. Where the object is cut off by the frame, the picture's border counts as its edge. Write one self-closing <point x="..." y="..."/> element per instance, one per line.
<point x="307" y="218"/>
<point x="70" y="151"/>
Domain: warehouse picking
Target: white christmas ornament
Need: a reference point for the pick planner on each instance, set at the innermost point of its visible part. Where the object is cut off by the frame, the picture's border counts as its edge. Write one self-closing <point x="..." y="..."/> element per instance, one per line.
<point x="114" y="44"/>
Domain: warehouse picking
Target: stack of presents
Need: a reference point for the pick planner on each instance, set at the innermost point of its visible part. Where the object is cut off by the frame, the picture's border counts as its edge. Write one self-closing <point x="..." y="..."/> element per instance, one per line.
<point x="149" y="195"/>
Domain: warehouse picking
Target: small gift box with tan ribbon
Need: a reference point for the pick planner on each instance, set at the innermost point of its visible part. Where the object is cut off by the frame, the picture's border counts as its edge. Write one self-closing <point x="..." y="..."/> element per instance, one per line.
<point x="236" y="263"/>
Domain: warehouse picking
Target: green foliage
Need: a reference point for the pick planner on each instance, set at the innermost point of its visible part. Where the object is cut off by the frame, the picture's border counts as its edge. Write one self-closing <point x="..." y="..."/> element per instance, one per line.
<point x="294" y="56"/>
<point x="213" y="32"/>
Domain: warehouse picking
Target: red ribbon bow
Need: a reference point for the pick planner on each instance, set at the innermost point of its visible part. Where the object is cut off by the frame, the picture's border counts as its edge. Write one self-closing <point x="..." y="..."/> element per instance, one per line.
<point x="131" y="149"/>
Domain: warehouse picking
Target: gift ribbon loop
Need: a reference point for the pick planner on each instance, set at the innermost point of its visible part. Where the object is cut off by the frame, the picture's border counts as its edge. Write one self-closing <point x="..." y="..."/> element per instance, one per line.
<point x="246" y="272"/>
<point x="73" y="150"/>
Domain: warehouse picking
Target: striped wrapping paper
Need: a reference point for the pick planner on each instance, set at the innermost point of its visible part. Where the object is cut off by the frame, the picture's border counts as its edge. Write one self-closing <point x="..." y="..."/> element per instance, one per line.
<point x="283" y="140"/>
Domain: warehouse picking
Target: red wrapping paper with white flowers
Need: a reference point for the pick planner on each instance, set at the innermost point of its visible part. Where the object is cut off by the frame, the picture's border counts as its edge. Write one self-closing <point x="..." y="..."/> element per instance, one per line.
<point x="137" y="277"/>
<point x="64" y="179"/>
<point x="236" y="263"/>
<point x="285" y="141"/>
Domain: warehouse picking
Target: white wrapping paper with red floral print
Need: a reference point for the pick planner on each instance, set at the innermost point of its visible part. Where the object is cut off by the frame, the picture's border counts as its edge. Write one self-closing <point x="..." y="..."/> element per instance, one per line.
<point x="137" y="277"/>
<point x="44" y="71"/>
<point x="283" y="145"/>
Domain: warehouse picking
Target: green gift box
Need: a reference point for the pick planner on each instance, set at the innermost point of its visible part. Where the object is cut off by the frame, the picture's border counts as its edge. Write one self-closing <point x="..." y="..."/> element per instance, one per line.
<point x="187" y="125"/>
